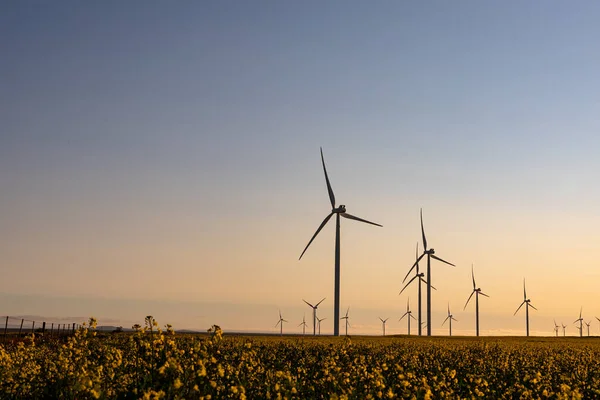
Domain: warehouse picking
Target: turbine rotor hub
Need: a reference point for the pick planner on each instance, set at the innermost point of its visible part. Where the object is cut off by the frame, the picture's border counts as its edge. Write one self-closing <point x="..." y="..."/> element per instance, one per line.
<point x="340" y="209"/>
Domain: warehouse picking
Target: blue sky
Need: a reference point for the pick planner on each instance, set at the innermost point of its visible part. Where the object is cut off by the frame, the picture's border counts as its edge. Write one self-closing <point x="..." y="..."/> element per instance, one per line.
<point x="161" y="152"/>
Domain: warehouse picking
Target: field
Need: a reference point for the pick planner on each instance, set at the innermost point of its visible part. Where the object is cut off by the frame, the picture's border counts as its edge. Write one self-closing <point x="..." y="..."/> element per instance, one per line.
<point x="162" y="364"/>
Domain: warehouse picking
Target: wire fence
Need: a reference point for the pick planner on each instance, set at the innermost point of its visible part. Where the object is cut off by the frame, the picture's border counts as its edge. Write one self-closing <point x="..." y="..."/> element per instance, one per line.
<point x="15" y="328"/>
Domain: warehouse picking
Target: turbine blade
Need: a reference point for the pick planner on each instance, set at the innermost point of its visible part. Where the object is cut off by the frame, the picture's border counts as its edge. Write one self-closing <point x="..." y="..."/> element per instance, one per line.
<point x="473" y="276"/>
<point x="310" y="305"/>
<point x="317" y="305"/>
<point x="346" y="215"/>
<point x="409" y="282"/>
<point x="454" y="319"/>
<point x="519" y="308"/>
<point x="531" y="305"/>
<point x="403" y="315"/>
<point x="329" y="189"/>
<point x="445" y="320"/>
<point x="316" y="233"/>
<point x="524" y="291"/>
<point x="413" y="317"/>
<point x="380" y="319"/>
<point x="444" y="261"/>
<point x="483" y="294"/>
<point x="423" y="232"/>
<point x="416" y="264"/>
<point x="347" y="311"/>
<point x="278" y="322"/>
<point x="469" y="299"/>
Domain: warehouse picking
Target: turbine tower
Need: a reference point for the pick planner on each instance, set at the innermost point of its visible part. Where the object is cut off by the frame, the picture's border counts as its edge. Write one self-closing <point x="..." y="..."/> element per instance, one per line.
<point x="420" y="276"/>
<point x="338" y="211"/>
<point x="319" y="321"/>
<point x="449" y="318"/>
<point x="588" y="326"/>
<point x="408" y="315"/>
<point x="314" y="308"/>
<point x="476" y="291"/>
<point x="346" y="318"/>
<point x="430" y="254"/>
<point x="528" y="304"/>
<point x="383" y="321"/>
<point x="303" y="325"/>
<point x="280" y="323"/>
<point x="580" y="320"/>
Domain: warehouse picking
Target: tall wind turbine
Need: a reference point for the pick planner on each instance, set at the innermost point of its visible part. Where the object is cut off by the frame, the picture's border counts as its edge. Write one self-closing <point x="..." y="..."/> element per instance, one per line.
<point x="476" y="291"/>
<point x="556" y="328"/>
<point x="314" y="314"/>
<point x="528" y="304"/>
<point x="346" y="318"/>
<point x="580" y="320"/>
<point x="383" y="321"/>
<point x="421" y="279"/>
<point x="280" y="322"/>
<point x="303" y="325"/>
<point x="588" y="326"/>
<point x="408" y="315"/>
<point x="564" y="329"/>
<point x="430" y="254"/>
<point x="339" y="211"/>
<point x="449" y="318"/>
<point x="319" y="322"/>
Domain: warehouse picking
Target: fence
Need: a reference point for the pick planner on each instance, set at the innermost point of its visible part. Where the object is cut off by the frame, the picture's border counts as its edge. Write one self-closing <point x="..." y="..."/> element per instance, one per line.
<point x="15" y="327"/>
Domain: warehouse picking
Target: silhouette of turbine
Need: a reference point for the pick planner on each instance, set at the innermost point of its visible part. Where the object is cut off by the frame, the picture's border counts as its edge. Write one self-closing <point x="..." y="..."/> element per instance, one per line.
<point x="319" y="321"/>
<point x="580" y="320"/>
<point x="408" y="315"/>
<point x="303" y="325"/>
<point x="556" y="328"/>
<point x="314" y="314"/>
<point x="280" y="322"/>
<point x="449" y="318"/>
<point x="346" y="318"/>
<point x="420" y="276"/>
<point x="564" y="329"/>
<point x="383" y="321"/>
<point x="339" y="211"/>
<point x="477" y="291"/>
<point x="528" y="304"/>
<point x="430" y="254"/>
<point x="588" y="326"/>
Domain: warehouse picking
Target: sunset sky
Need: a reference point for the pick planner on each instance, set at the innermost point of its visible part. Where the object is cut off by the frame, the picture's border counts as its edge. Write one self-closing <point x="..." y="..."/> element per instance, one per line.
<point x="161" y="158"/>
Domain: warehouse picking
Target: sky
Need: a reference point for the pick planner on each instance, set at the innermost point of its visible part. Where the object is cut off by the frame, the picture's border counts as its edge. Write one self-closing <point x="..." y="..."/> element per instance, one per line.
<point x="163" y="159"/>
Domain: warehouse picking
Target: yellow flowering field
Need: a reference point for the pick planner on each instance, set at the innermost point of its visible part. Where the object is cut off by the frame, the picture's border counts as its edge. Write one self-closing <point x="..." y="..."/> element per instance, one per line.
<point x="154" y="363"/>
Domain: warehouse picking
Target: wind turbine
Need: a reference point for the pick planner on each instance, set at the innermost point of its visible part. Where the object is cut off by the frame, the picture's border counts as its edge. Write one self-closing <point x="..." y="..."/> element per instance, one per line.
<point x="528" y="304"/>
<point x="346" y="318"/>
<point x="339" y="211"/>
<point x="409" y="315"/>
<point x="580" y="320"/>
<point x="588" y="326"/>
<point x="303" y="324"/>
<point x="280" y="322"/>
<point x="564" y="329"/>
<point x="449" y="318"/>
<point x="556" y="328"/>
<point x="383" y="321"/>
<point x="314" y="314"/>
<point x="477" y="291"/>
<point x="319" y="321"/>
<point x="420" y="276"/>
<point x="430" y="254"/>
<point x="597" y="319"/>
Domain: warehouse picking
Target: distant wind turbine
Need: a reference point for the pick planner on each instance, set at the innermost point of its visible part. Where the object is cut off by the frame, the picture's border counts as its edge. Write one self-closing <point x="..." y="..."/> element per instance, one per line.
<point x="314" y="308"/>
<point x="430" y="254"/>
<point x="421" y="279"/>
<point x="580" y="320"/>
<point x="528" y="304"/>
<point x="588" y="326"/>
<point x="408" y="315"/>
<point x="598" y="319"/>
<point x="303" y="325"/>
<point x="339" y="211"/>
<point x="280" y="323"/>
<point x="449" y="318"/>
<point x="564" y="329"/>
<point x="476" y="291"/>
<point x="556" y="328"/>
<point x="319" y="322"/>
<point x="383" y="321"/>
<point x="346" y="318"/>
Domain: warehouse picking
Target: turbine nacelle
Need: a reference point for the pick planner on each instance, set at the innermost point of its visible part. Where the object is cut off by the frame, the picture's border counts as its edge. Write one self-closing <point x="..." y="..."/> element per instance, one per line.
<point x="430" y="251"/>
<point x="339" y="210"/>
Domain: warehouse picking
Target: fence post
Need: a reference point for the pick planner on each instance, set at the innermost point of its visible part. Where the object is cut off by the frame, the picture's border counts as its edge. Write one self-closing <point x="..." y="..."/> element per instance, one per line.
<point x="73" y="327"/>
<point x="44" y="327"/>
<point x="52" y="329"/>
<point x="32" y="326"/>
<point x="5" y="328"/>
<point x="21" y="327"/>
